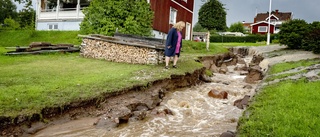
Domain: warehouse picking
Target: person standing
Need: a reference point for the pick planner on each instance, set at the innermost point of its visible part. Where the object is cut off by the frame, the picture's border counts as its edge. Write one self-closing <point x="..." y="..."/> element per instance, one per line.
<point x="174" y="44"/>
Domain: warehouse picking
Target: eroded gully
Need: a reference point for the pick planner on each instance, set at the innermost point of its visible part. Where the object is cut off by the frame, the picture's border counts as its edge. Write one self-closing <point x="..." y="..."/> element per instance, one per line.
<point x="183" y="112"/>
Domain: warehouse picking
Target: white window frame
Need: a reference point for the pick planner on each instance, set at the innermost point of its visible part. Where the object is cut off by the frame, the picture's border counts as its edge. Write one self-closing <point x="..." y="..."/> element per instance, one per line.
<point x="188" y="31"/>
<point x="263" y="27"/>
<point x="53" y="27"/>
<point x="173" y="15"/>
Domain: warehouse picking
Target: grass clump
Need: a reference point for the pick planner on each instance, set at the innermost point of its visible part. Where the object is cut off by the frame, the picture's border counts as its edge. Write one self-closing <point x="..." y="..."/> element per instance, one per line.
<point x="277" y="68"/>
<point x="285" y="75"/>
<point x="289" y="108"/>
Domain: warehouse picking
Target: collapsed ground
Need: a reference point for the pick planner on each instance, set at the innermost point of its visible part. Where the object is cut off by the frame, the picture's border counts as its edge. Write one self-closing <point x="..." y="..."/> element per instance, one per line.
<point x="124" y="109"/>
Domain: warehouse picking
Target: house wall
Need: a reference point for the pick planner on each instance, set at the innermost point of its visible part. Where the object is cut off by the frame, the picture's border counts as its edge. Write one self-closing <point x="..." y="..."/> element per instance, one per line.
<point x="161" y="10"/>
<point x="62" y="25"/>
<point x="255" y="28"/>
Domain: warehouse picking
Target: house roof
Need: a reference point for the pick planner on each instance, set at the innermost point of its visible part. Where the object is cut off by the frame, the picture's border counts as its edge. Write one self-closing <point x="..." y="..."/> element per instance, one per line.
<point x="282" y="16"/>
<point x="246" y="24"/>
<point x="262" y="22"/>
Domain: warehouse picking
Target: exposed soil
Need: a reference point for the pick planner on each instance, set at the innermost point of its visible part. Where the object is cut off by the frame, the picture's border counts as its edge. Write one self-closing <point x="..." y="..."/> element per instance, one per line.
<point x="118" y="106"/>
<point x="132" y="104"/>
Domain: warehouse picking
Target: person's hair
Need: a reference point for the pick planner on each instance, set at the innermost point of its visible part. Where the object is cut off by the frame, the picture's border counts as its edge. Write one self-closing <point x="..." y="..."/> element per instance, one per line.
<point x="179" y="25"/>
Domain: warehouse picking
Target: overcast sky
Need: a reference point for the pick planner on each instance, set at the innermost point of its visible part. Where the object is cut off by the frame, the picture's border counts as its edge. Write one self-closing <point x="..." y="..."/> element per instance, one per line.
<point x="245" y="10"/>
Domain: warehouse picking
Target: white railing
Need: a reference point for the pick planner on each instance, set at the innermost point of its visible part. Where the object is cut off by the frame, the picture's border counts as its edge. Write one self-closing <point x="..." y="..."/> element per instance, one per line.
<point x="65" y="13"/>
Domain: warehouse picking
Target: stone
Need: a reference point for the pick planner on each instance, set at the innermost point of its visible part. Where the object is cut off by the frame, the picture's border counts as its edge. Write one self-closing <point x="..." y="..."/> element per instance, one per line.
<point x="228" y="134"/>
<point x="138" y="115"/>
<point x="223" y="69"/>
<point x="106" y="123"/>
<point x="217" y="94"/>
<point x="205" y="78"/>
<point x="256" y="59"/>
<point x="254" y="75"/>
<point x="241" y="61"/>
<point x="240" y="103"/>
<point x="247" y="87"/>
<point x="214" y="68"/>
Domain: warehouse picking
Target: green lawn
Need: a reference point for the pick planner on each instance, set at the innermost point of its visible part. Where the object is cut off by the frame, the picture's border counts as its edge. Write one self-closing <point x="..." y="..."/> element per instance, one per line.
<point x="25" y="37"/>
<point x="290" y="65"/>
<point x="29" y="83"/>
<point x="289" y="108"/>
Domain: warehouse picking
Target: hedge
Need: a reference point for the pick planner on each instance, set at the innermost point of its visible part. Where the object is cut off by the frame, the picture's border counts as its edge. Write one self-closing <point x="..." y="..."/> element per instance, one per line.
<point x="249" y="38"/>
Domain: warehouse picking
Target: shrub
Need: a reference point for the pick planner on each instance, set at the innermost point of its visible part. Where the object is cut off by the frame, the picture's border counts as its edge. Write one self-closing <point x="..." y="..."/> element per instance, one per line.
<point x="292" y="33"/>
<point x="249" y="38"/>
<point x="311" y="41"/>
<point x="11" y="24"/>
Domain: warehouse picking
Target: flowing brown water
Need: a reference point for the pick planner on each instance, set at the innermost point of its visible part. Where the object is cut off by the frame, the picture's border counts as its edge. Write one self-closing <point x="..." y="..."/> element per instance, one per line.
<point x="194" y="113"/>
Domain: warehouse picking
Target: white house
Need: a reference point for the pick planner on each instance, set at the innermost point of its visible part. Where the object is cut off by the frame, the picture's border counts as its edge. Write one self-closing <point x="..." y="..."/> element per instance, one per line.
<point x="67" y="15"/>
<point x="59" y="14"/>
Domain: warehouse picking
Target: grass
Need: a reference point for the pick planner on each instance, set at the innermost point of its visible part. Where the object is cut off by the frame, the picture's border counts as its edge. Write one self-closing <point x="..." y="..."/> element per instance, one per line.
<point x="291" y="65"/>
<point x="25" y="37"/>
<point x="289" y="108"/>
<point x="29" y="83"/>
<point x="281" y="76"/>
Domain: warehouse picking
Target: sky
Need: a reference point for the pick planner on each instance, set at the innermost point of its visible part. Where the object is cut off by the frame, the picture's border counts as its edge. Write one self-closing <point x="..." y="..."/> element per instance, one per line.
<point x="245" y="10"/>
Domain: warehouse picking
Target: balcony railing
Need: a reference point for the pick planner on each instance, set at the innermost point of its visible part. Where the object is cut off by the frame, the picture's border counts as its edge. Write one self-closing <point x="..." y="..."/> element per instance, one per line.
<point x="62" y="13"/>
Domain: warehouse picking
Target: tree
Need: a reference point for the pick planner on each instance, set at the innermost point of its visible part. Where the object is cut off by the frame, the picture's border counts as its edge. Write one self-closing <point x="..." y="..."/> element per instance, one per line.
<point x="292" y="33"/>
<point x="7" y="10"/>
<point x="212" y="16"/>
<point x="236" y="27"/>
<point x="26" y="18"/>
<point x="125" y="16"/>
<point x="311" y="41"/>
<point x="198" y="28"/>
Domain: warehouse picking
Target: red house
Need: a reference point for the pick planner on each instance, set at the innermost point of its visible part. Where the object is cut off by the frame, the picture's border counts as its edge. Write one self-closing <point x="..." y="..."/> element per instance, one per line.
<point x="261" y="21"/>
<point x="168" y="12"/>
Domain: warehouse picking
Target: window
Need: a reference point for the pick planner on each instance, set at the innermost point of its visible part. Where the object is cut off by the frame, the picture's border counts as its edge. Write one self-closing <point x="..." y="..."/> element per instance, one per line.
<point x="53" y="26"/>
<point x="273" y="20"/>
<point x="185" y="1"/>
<point x="262" y="29"/>
<point x="173" y="15"/>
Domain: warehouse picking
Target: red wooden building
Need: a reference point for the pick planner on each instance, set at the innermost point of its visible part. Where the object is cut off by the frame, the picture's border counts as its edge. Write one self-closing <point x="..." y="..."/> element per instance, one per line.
<point x="168" y="12"/>
<point x="260" y="25"/>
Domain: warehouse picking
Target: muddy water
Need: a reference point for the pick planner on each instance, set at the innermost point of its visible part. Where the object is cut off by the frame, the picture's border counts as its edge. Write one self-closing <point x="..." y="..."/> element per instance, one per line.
<point x="194" y="113"/>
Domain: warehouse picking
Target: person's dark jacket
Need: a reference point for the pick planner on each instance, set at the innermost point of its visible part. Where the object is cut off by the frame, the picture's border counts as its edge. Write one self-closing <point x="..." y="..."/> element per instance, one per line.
<point x="172" y="40"/>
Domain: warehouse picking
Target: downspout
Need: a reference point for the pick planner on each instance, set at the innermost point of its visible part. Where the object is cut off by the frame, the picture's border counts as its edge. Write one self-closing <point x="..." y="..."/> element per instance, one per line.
<point x="78" y="8"/>
<point x="57" y="9"/>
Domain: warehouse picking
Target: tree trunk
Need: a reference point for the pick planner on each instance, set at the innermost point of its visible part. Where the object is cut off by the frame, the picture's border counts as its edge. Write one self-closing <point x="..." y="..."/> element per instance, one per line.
<point x="208" y="40"/>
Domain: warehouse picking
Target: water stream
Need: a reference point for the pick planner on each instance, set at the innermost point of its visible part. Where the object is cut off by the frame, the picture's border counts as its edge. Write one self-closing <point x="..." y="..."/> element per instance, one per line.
<point x="194" y="113"/>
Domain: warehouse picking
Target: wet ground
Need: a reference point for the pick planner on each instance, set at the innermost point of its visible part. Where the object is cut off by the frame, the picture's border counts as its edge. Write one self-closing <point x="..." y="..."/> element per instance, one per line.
<point x="189" y="111"/>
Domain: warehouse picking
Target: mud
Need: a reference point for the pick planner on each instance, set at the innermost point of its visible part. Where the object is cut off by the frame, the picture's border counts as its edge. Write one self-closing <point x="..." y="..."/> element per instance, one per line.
<point x="115" y="106"/>
<point x="134" y="104"/>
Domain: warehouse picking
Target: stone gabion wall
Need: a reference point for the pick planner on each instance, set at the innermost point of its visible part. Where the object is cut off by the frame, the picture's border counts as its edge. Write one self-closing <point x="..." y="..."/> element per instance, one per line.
<point x="115" y="52"/>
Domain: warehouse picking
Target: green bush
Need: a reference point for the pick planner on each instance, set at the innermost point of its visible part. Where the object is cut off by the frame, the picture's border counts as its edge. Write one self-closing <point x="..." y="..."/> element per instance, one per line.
<point x="292" y="33"/>
<point x="311" y="41"/>
<point x="250" y="38"/>
<point x="10" y="24"/>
